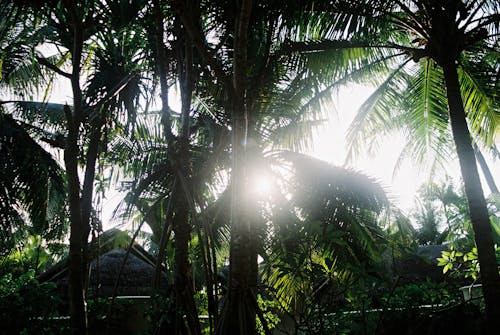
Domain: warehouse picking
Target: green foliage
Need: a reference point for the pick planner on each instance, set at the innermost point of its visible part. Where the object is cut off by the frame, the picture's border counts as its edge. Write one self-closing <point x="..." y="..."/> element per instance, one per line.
<point x="28" y="306"/>
<point x="424" y="293"/>
<point x="19" y="34"/>
<point x="442" y="214"/>
<point x="324" y="235"/>
<point x="201" y="300"/>
<point x="29" y="255"/>
<point x="161" y="312"/>
<point x="463" y="264"/>
<point x="379" y="307"/>
<point x="269" y="309"/>
<point x="97" y="309"/>
<point x="410" y="96"/>
<point x="32" y="187"/>
<point x="327" y="240"/>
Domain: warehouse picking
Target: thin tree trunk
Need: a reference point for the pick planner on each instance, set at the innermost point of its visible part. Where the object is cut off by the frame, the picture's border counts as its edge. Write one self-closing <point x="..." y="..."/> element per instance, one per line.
<point x="184" y="291"/>
<point x="161" y="62"/>
<point x="239" y="315"/>
<point x="205" y="256"/>
<point x="475" y="198"/>
<point x="486" y="170"/>
<point x="162" y="68"/>
<point x="165" y="237"/>
<point x="78" y="310"/>
<point x="87" y="195"/>
<point x="211" y="275"/>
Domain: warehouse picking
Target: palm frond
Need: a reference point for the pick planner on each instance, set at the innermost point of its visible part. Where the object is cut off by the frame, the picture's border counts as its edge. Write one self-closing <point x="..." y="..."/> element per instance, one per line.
<point x="479" y="87"/>
<point x="33" y="185"/>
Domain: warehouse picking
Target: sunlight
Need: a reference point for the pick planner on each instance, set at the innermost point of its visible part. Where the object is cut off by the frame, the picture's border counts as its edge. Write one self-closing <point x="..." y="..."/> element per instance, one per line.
<point x="331" y="146"/>
<point x="261" y="184"/>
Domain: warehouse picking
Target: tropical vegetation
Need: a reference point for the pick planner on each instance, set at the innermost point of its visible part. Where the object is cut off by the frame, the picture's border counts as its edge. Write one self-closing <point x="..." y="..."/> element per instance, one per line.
<point x="187" y="106"/>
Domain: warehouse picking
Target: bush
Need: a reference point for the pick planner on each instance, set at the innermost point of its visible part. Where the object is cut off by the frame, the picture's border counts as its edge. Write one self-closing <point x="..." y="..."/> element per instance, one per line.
<point x="28" y="306"/>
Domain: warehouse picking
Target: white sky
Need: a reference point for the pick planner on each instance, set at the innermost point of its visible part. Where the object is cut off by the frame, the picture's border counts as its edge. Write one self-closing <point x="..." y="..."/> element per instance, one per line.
<point x="330" y="146"/>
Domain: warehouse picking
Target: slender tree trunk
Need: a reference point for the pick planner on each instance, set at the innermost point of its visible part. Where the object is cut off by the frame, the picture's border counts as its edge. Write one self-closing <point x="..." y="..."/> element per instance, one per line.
<point x="477" y="205"/>
<point x="183" y="283"/>
<point x="161" y="63"/>
<point x="184" y="290"/>
<point x="178" y="150"/>
<point x="78" y="310"/>
<point x="239" y="315"/>
<point x="87" y="195"/>
<point x="486" y="170"/>
<point x="165" y="237"/>
<point x="210" y="273"/>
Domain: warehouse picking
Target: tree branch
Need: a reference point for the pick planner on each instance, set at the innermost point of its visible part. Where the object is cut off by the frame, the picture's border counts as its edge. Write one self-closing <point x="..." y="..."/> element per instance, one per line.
<point x="43" y="61"/>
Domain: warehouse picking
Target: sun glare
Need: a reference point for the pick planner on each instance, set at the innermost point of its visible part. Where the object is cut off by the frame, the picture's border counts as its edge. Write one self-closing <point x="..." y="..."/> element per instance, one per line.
<point x="261" y="184"/>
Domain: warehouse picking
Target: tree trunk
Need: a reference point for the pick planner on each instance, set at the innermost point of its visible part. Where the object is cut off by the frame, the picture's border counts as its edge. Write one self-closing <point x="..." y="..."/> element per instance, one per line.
<point x="486" y="170"/>
<point x="239" y="315"/>
<point x="183" y="288"/>
<point x="183" y="283"/>
<point x="165" y="237"/>
<point x="161" y="64"/>
<point x="87" y="195"/>
<point x="477" y="205"/>
<point x="78" y="310"/>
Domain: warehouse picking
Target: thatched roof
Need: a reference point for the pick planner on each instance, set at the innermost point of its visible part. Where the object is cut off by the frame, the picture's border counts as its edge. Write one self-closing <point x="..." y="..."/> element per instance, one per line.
<point x="422" y="264"/>
<point x="136" y="279"/>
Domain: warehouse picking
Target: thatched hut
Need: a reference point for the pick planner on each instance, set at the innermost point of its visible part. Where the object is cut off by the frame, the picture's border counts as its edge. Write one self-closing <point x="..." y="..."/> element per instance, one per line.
<point x="114" y="272"/>
<point x="137" y="269"/>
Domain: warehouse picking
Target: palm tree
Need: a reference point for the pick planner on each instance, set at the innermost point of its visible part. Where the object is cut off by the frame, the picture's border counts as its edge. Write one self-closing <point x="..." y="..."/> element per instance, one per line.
<point x="440" y="60"/>
<point x="289" y="103"/>
<point x="19" y="35"/>
<point x="326" y="234"/>
<point x="239" y="309"/>
<point x="251" y="71"/>
<point x="33" y="183"/>
<point x="486" y="170"/>
<point x="71" y="27"/>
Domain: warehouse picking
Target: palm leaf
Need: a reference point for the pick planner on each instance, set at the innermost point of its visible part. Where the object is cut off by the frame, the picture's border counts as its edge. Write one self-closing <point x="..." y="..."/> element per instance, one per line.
<point x="33" y="185"/>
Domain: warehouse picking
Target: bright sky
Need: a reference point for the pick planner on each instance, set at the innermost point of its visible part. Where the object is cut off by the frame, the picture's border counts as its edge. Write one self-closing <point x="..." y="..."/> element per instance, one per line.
<point x="330" y="146"/>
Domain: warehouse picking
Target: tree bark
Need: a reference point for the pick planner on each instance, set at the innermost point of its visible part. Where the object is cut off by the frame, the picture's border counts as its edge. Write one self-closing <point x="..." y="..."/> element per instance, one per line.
<point x="78" y="310"/>
<point x="486" y="170"/>
<point x="87" y="195"/>
<point x="183" y="288"/>
<point x="183" y="283"/>
<point x="165" y="237"/>
<point x="161" y="64"/>
<point x="178" y="151"/>
<point x="477" y="205"/>
<point x="239" y="315"/>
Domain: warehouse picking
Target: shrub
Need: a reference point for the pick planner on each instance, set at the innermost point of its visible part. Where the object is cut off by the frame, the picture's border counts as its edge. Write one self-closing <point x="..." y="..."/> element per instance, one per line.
<point x="28" y="306"/>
